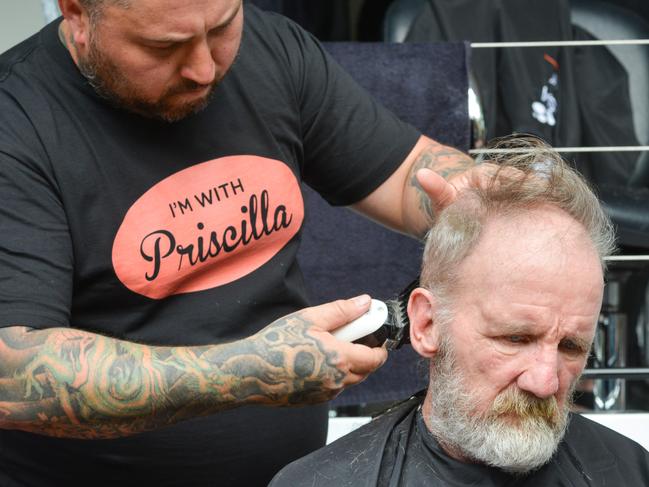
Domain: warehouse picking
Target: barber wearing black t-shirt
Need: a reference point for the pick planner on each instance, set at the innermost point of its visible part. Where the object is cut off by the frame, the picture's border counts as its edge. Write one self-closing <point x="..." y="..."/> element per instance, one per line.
<point x="151" y="155"/>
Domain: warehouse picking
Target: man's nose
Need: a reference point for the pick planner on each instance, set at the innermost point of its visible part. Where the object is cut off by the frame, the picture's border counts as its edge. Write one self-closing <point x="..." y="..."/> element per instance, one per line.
<point x="541" y="377"/>
<point x="199" y="65"/>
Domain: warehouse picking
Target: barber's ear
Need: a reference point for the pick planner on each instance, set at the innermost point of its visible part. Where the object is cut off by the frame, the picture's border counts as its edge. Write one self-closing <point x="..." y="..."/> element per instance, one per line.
<point x="78" y="21"/>
<point x="424" y="332"/>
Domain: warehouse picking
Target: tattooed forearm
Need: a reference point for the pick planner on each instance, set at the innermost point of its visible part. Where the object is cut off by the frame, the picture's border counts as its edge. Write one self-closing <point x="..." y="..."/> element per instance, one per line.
<point x="444" y="160"/>
<point x="69" y="383"/>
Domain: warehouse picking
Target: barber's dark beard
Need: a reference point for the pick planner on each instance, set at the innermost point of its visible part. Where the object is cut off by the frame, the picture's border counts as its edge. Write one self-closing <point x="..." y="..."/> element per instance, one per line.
<point x="110" y="84"/>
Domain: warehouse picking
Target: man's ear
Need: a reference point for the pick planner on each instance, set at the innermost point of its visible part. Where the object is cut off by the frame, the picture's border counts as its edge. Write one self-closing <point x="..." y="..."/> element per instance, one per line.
<point x="77" y="22"/>
<point x="424" y="332"/>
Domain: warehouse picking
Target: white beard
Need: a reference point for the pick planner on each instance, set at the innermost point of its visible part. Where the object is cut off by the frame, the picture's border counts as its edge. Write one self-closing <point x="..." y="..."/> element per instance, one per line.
<point x="516" y="446"/>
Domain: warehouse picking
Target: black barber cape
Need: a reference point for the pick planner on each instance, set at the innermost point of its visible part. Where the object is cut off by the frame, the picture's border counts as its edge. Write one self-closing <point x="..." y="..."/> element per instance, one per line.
<point x="396" y="449"/>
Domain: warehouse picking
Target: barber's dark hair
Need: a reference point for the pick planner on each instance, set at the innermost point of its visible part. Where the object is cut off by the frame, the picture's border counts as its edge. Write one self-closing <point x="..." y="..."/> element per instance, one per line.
<point x="529" y="174"/>
<point x="95" y="7"/>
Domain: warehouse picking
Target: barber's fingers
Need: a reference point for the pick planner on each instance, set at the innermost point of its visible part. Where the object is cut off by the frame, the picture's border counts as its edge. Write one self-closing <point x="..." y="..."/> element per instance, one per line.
<point x="443" y="192"/>
<point x="363" y="360"/>
<point x="439" y="190"/>
<point x="309" y="364"/>
<point x="349" y="357"/>
<point x="484" y="175"/>
<point x="351" y="379"/>
<point x="489" y="173"/>
<point x="366" y="360"/>
<point x="329" y="316"/>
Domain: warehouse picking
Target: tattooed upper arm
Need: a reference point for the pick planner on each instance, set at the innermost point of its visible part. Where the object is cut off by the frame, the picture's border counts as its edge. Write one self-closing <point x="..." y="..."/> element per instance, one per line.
<point x="442" y="159"/>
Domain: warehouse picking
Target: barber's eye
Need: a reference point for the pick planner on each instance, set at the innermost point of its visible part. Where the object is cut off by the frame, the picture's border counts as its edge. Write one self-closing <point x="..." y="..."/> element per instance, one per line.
<point x="161" y="48"/>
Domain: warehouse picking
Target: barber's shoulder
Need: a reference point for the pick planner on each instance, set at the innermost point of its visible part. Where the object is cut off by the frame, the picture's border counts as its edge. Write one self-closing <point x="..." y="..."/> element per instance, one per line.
<point x="15" y="56"/>
<point x="269" y="20"/>
<point x="282" y="32"/>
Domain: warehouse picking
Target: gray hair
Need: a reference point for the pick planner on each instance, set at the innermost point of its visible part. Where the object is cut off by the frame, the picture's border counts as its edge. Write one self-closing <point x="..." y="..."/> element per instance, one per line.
<point x="531" y="176"/>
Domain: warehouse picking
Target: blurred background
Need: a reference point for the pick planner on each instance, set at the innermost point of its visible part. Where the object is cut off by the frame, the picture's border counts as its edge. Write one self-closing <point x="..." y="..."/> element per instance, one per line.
<point x="329" y="20"/>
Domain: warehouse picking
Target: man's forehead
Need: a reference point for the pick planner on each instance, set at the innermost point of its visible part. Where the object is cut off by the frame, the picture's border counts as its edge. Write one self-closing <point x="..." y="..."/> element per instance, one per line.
<point x="162" y="13"/>
<point x="531" y="268"/>
<point x="538" y="236"/>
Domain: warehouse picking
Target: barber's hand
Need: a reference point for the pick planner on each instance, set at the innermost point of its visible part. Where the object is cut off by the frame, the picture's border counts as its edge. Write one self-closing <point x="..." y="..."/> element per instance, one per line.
<point x="306" y="364"/>
<point x="443" y="192"/>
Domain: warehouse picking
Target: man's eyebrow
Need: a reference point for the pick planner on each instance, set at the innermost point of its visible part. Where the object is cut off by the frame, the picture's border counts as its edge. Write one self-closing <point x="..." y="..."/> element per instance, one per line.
<point x="528" y="329"/>
<point x="229" y="20"/>
<point x="170" y="38"/>
<point x="515" y="328"/>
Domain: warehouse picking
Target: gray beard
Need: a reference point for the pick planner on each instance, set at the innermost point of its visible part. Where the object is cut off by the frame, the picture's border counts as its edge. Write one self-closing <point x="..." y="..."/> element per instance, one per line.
<point x="515" y="448"/>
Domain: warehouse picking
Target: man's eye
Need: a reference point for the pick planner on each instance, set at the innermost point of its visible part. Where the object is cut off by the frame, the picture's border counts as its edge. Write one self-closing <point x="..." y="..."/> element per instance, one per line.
<point x="517" y="339"/>
<point x="571" y="347"/>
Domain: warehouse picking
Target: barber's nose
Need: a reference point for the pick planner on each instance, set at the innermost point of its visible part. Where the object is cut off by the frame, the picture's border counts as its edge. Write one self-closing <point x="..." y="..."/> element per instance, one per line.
<point x="541" y="377"/>
<point x="199" y="65"/>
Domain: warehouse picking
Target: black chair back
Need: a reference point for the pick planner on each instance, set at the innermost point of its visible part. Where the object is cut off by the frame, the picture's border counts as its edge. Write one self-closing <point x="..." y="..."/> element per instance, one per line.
<point x="343" y="254"/>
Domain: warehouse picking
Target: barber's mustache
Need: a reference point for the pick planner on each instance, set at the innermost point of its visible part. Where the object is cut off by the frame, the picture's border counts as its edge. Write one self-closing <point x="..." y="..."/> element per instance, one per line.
<point x="523" y="405"/>
<point x="188" y="85"/>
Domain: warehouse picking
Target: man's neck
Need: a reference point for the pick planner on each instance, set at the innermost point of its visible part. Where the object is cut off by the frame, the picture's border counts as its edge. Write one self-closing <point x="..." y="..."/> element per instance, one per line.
<point x="450" y="450"/>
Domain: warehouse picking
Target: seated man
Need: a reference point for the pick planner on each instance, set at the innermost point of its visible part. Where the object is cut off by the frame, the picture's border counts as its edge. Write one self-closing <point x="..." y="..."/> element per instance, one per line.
<point x="511" y="290"/>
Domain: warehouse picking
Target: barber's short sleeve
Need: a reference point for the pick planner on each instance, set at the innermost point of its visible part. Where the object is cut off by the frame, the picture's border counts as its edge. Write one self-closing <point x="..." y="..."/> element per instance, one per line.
<point x="36" y="262"/>
<point x="351" y="142"/>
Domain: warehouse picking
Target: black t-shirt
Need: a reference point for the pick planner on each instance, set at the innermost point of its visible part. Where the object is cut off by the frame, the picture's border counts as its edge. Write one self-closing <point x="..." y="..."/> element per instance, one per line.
<point x="175" y="234"/>
<point x="397" y="450"/>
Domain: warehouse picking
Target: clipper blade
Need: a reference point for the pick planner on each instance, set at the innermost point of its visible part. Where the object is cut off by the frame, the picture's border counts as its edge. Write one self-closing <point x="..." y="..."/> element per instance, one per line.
<point x="385" y="324"/>
<point x="398" y="324"/>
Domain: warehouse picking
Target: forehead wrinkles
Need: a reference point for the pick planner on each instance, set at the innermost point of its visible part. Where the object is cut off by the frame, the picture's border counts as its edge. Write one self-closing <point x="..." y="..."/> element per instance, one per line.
<point x="546" y="239"/>
<point x="535" y="268"/>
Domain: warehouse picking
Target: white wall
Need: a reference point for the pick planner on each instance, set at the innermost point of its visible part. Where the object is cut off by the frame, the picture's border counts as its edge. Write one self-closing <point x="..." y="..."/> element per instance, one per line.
<point x="632" y="425"/>
<point x="18" y="20"/>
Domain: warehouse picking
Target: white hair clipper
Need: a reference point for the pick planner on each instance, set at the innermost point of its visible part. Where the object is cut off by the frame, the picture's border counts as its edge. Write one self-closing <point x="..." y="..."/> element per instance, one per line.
<point x="384" y="324"/>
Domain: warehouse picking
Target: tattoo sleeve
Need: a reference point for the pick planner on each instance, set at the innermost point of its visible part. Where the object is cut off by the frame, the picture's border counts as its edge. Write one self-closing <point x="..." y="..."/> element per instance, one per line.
<point x="444" y="160"/>
<point x="69" y="383"/>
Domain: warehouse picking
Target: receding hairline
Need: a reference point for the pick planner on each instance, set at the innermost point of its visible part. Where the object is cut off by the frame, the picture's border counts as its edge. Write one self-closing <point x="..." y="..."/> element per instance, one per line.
<point x="523" y="182"/>
<point x="520" y="227"/>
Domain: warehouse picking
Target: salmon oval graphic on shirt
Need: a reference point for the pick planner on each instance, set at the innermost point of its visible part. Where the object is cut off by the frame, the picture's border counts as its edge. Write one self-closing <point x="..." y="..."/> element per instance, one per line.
<point x="207" y="225"/>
